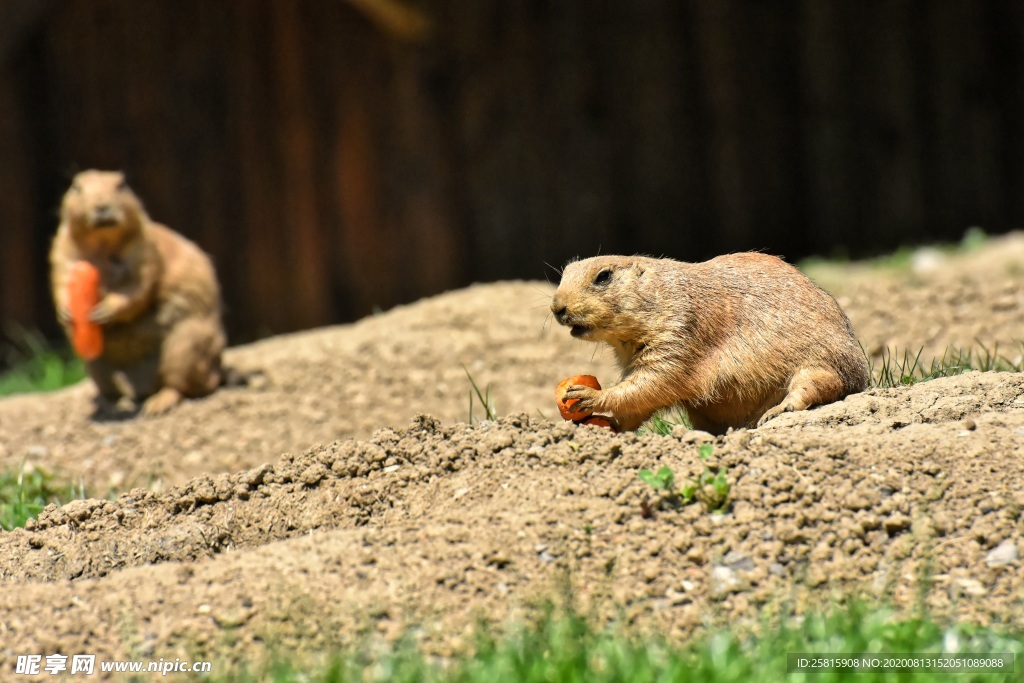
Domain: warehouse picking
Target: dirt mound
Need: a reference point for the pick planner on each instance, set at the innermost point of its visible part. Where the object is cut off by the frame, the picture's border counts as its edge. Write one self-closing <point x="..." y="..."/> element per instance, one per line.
<point x="431" y="525"/>
<point x="904" y="494"/>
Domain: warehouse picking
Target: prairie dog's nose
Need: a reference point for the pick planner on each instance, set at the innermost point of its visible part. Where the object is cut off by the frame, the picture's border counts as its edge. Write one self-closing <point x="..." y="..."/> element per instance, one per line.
<point x="558" y="307"/>
<point x="103" y="214"/>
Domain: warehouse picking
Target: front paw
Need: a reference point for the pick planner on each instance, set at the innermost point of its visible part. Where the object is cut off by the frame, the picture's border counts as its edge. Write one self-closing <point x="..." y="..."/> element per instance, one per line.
<point x="106" y="310"/>
<point x="587" y="398"/>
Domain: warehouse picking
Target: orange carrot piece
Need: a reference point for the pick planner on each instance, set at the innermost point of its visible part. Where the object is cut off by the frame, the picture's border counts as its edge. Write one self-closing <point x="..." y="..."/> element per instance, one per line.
<point x="598" y="421"/>
<point x="566" y="407"/>
<point x="83" y="293"/>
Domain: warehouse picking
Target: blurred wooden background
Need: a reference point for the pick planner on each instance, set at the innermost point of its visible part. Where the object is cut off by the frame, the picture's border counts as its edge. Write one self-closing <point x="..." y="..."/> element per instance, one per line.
<point x="335" y="156"/>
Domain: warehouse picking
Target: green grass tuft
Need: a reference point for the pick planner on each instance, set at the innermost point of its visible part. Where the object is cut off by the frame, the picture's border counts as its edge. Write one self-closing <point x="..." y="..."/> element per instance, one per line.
<point x="24" y="494"/>
<point x="35" y="365"/>
<point x="894" y="369"/>
<point x="569" y="648"/>
<point x="485" y="398"/>
<point x="663" y="422"/>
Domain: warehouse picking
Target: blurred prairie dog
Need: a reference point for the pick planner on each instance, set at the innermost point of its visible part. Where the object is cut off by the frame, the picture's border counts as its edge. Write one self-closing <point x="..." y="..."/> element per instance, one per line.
<point x="159" y="304"/>
<point x="735" y="341"/>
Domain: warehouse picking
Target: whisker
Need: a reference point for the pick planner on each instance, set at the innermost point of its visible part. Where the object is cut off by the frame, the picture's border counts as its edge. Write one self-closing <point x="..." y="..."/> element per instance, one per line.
<point x="557" y="270"/>
<point x="542" y="293"/>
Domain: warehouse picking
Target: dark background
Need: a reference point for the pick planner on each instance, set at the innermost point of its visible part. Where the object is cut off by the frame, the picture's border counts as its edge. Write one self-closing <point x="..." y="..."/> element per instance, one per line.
<point x="339" y="156"/>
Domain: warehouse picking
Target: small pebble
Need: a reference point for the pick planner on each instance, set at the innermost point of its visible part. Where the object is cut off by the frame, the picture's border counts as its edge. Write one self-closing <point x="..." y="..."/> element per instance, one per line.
<point x="738" y="562"/>
<point x="1004" y="554"/>
<point x="724" y="581"/>
<point x="971" y="586"/>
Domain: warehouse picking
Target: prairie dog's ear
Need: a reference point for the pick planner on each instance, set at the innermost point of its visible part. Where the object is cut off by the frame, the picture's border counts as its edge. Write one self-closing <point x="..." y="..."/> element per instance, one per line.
<point x="639" y="269"/>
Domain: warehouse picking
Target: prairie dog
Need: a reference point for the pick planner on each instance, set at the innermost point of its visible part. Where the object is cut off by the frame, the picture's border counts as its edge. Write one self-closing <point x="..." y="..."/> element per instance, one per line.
<point x="735" y="340"/>
<point x="159" y="304"/>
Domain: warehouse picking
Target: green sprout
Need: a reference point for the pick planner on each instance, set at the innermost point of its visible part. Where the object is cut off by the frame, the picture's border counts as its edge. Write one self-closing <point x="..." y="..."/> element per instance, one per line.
<point x="711" y="488"/>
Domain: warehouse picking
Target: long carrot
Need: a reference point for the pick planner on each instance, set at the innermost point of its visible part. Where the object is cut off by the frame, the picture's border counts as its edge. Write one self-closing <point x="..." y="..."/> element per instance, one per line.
<point x="83" y="293"/>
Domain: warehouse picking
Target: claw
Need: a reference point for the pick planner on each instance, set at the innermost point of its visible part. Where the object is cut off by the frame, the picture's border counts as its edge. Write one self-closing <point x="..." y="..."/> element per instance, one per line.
<point x="772" y="413"/>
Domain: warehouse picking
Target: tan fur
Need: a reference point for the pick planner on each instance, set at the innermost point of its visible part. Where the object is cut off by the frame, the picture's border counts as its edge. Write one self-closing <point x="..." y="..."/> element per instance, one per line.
<point x="160" y="302"/>
<point x="735" y="340"/>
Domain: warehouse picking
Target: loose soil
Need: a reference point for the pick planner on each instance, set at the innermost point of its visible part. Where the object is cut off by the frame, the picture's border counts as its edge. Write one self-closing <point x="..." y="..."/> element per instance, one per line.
<point x="339" y="494"/>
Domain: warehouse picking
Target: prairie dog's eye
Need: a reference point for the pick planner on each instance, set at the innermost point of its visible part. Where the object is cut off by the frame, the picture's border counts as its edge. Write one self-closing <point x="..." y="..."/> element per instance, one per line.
<point x="603" y="277"/>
